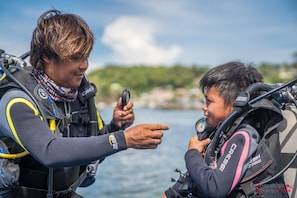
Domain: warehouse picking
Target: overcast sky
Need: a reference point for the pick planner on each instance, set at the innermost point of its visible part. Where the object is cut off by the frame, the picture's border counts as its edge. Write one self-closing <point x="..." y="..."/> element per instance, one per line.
<point x="203" y="32"/>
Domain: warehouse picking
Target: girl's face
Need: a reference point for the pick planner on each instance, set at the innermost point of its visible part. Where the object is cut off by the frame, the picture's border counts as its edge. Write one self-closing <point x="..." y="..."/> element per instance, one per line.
<point x="215" y="109"/>
<point x="68" y="74"/>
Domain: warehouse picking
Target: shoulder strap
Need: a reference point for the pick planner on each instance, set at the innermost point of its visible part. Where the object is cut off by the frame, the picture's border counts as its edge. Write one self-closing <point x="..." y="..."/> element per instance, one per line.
<point x="86" y="94"/>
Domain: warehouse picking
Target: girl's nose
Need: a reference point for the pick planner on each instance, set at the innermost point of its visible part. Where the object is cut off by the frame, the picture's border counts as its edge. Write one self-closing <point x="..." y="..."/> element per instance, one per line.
<point x="204" y="107"/>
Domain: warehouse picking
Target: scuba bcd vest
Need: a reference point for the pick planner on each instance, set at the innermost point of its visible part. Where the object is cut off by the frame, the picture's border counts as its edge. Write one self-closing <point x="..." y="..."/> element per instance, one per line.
<point x="15" y="74"/>
<point x="264" y="114"/>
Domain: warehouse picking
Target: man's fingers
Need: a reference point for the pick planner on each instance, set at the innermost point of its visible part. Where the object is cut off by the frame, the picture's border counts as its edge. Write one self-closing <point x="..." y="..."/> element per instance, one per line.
<point x="156" y="127"/>
<point x="128" y="106"/>
<point x="145" y="136"/>
<point x="157" y="141"/>
<point x="156" y="135"/>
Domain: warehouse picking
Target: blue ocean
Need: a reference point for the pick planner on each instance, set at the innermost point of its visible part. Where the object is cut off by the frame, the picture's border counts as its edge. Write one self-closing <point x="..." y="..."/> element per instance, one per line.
<point x="145" y="173"/>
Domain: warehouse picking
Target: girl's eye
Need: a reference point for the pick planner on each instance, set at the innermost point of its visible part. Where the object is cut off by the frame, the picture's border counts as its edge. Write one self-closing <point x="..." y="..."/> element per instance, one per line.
<point x="205" y="101"/>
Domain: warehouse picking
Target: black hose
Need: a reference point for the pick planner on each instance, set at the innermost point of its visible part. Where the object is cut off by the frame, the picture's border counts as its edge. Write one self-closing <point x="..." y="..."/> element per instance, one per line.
<point x="9" y="75"/>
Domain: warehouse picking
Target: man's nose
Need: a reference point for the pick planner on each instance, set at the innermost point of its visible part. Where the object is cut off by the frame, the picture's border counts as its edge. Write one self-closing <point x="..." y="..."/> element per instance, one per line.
<point x="84" y="65"/>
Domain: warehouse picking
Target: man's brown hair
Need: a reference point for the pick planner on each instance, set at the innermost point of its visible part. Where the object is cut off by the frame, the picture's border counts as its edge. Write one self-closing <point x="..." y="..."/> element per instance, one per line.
<point x="60" y="37"/>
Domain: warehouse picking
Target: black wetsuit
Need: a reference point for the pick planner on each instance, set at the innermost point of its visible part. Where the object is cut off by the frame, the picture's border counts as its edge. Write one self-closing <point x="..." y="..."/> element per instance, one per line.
<point x="241" y="155"/>
<point x="21" y="120"/>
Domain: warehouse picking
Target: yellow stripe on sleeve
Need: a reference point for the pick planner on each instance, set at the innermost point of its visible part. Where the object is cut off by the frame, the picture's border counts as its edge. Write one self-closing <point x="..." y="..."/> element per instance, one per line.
<point x="10" y="123"/>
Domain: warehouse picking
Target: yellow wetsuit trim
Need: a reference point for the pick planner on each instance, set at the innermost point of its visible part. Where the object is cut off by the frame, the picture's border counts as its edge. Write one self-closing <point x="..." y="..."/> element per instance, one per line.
<point x="3" y="76"/>
<point x="100" y="121"/>
<point x="13" y="156"/>
<point x="52" y="125"/>
<point x="12" y="128"/>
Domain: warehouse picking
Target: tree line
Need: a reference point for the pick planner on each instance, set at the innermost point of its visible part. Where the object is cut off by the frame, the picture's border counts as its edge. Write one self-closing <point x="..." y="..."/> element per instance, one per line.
<point x="111" y="79"/>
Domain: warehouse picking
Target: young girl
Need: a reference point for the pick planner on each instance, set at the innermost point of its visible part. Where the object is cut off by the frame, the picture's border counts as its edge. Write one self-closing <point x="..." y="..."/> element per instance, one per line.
<point x="222" y="177"/>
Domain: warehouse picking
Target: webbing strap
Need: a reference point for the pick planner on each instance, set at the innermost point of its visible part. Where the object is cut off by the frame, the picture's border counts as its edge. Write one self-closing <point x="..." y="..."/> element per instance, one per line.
<point x="286" y="158"/>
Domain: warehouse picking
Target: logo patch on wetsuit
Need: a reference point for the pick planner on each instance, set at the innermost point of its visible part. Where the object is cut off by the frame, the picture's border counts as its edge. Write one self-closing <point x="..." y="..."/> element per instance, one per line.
<point x="41" y="93"/>
<point x="256" y="160"/>
<point x="113" y="141"/>
<point x="228" y="157"/>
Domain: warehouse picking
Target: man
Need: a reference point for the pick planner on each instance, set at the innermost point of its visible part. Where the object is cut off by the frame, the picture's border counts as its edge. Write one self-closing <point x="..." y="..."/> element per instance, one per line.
<point x="53" y="118"/>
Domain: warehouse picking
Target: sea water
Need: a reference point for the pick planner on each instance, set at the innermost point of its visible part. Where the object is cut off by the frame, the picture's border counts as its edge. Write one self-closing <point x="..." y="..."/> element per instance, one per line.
<point x="145" y="173"/>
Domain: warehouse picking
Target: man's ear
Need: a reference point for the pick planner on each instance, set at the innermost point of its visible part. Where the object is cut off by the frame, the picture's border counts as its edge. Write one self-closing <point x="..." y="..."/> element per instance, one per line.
<point x="46" y="59"/>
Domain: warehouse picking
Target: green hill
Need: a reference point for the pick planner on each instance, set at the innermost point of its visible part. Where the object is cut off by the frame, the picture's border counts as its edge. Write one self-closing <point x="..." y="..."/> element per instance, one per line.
<point x="112" y="79"/>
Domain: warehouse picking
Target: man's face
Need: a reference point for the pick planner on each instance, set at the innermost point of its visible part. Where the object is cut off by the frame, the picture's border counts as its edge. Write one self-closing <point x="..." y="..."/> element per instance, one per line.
<point x="215" y="109"/>
<point x="67" y="74"/>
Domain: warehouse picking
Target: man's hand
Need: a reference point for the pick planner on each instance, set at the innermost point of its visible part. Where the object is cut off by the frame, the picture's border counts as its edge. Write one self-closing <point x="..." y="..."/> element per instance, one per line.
<point x="123" y="117"/>
<point x="194" y="143"/>
<point x="145" y="136"/>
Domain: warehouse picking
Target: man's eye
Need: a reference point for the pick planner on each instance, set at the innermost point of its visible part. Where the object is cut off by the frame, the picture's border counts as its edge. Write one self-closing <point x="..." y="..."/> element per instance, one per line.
<point x="76" y="57"/>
